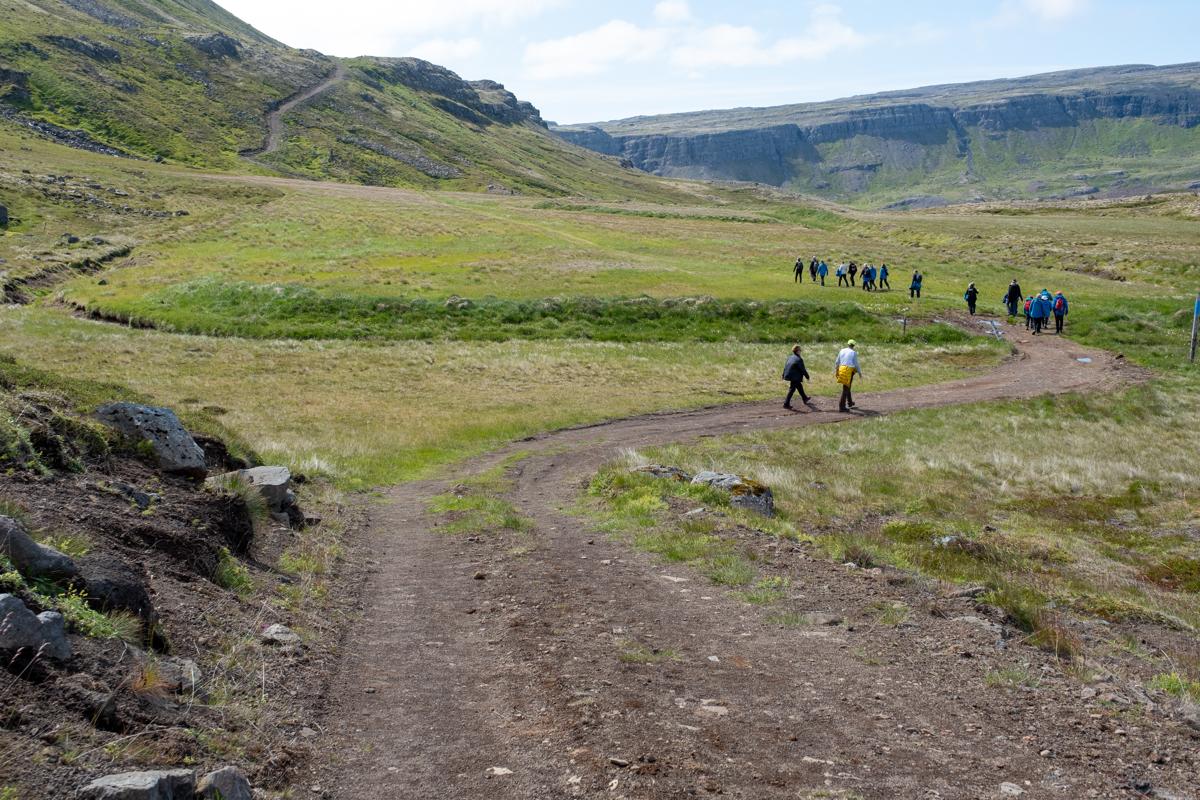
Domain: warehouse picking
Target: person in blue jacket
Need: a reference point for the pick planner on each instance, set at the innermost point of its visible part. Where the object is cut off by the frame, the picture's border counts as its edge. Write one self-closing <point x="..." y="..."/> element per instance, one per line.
<point x="914" y="288"/>
<point x="1060" y="312"/>
<point x="1040" y="311"/>
<point x="822" y="270"/>
<point x="883" y="275"/>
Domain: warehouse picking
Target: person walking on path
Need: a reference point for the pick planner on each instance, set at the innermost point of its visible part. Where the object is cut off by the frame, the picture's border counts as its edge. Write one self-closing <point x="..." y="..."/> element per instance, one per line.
<point x="845" y="368"/>
<point x="868" y="278"/>
<point x="883" y="275"/>
<point x="914" y="288"/>
<point x="822" y="271"/>
<point x="852" y="272"/>
<point x="1013" y="298"/>
<point x="1029" y="312"/>
<point x="1040" y="311"/>
<point x="841" y="275"/>
<point x="812" y="269"/>
<point x="798" y="270"/>
<point x="795" y="374"/>
<point x="1060" y="312"/>
<point x="972" y="297"/>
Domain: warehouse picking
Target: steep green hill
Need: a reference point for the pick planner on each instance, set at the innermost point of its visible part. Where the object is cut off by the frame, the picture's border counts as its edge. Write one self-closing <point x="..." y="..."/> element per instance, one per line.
<point x="184" y="81"/>
<point x="1104" y="131"/>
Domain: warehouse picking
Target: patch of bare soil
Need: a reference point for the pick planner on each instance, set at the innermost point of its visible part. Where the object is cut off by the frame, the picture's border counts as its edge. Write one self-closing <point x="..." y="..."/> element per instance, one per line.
<point x="558" y="663"/>
<point x="191" y="684"/>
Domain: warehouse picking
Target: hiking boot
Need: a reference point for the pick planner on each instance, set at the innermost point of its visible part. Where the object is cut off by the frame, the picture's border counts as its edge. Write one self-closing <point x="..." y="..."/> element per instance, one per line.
<point x="788" y="406"/>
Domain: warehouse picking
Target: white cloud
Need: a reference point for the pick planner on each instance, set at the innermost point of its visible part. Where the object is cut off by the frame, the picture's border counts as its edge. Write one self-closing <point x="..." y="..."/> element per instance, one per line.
<point x="672" y="11"/>
<point x="374" y="27"/>
<point x="591" y="52"/>
<point x="743" y="46"/>
<point x="447" y="51"/>
<point x="1013" y="13"/>
<point x="1055" y="10"/>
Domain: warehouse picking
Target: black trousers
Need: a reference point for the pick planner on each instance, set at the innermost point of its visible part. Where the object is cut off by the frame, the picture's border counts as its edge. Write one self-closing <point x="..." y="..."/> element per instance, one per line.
<point x="799" y="276"/>
<point x="822" y="280"/>
<point x="971" y="308"/>
<point x="914" y="292"/>
<point x="1038" y="322"/>
<point x="847" y="399"/>
<point x="796" y="386"/>
<point x="852" y="279"/>
<point x="1059" y="319"/>
<point x="884" y="282"/>
<point x="842" y="281"/>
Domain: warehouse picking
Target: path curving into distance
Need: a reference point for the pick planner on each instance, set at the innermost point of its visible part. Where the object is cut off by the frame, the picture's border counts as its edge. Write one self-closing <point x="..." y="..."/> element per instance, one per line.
<point x="275" y="118"/>
<point x="448" y="676"/>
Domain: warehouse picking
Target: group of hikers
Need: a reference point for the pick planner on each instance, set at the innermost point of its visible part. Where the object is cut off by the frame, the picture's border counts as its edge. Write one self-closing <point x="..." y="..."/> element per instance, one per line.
<point x="1038" y="309"/>
<point x="871" y="278"/>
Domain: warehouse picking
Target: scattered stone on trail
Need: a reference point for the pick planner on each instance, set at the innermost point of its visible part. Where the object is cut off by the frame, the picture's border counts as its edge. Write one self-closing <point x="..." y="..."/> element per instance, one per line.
<point x="822" y="618"/>
<point x="172" y="784"/>
<point x="660" y="471"/>
<point x="226" y="783"/>
<point x="280" y="635"/>
<point x="499" y="771"/>
<point x="980" y="622"/>
<point x="1011" y="790"/>
<point x="180" y="675"/>
<point x="142" y="500"/>
<point x="21" y="629"/>
<point x="708" y="707"/>
<point x="748" y="494"/>
<point x="479" y="575"/>
<point x="273" y="483"/>
<point x="31" y="559"/>
<point x="175" y="448"/>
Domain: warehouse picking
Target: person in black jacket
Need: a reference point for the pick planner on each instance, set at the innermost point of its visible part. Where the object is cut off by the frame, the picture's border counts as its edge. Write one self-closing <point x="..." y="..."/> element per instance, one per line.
<point x="795" y="373"/>
<point x="798" y="270"/>
<point x="1014" y="299"/>
<point x="972" y="297"/>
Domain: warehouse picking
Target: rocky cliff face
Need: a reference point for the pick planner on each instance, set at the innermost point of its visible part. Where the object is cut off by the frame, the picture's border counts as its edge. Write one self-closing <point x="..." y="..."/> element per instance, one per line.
<point x="932" y="143"/>
<point x="480" y="102"/>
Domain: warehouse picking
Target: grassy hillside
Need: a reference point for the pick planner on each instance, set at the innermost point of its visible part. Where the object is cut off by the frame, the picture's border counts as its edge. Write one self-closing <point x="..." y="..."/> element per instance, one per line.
<point x="185" y="82"/>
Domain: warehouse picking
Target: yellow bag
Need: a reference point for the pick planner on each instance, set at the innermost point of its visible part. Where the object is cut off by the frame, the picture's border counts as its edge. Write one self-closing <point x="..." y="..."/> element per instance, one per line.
<point x="845" y="375"/>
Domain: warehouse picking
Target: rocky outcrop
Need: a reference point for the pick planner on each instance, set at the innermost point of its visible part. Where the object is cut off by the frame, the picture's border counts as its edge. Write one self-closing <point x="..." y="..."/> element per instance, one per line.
<point x="478" y="102"/>
<point x="216" y="45"/>
<point x="744" y="493"/>
<point x="175" y="449"/>
<point x="33" y="560"/>
<point x="35" y="635"/>
<point x="85" y="47"/>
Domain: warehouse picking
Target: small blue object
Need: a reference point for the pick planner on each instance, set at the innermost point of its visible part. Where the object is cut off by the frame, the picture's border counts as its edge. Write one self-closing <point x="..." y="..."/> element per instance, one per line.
<point x="1084" y="360"/>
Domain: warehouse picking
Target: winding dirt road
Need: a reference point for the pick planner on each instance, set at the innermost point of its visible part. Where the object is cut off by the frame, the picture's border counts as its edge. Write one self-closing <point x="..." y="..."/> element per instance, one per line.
<point x="275" y="118"/>
<point x="512" y="685"/>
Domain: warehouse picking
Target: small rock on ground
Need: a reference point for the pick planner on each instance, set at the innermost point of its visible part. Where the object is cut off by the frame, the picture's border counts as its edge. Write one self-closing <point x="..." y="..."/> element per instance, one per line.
<point x="226" y="783"/>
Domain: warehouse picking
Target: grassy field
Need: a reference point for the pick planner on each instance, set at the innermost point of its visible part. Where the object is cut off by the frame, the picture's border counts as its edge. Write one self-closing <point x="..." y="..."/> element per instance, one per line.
<point x="370" y="414"/>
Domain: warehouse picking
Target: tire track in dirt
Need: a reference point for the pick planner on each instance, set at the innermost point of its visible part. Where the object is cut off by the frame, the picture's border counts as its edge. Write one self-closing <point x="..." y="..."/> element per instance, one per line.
<point x="275" y="117"/>
<point x="447" y="676"/>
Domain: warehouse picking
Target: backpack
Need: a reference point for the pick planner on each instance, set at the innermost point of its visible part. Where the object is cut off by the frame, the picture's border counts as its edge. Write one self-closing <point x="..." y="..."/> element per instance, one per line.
<point x="1059" y="302"/>
<point x="1028" y="305"/>
<point x="967" y="296"/>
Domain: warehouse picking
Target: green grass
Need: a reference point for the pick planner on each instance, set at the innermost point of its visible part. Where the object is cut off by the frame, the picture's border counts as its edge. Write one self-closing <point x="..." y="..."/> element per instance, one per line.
<point x="1177" y="685"/>
<point x="231" y="574"/>
<point x="1011" y="678"/>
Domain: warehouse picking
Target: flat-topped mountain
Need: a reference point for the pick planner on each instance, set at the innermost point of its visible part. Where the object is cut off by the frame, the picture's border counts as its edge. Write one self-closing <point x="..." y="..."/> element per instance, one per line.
<point x="1091" y="131"/>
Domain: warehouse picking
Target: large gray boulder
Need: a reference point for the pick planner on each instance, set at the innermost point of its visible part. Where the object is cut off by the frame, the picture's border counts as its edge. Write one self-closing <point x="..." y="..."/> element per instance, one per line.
<point x="226" y="783"/>
<point x="170" y="784"/>
<point x="744" y="493"/>
<point x="175" y="448"/>
<point x="21" y="629"/>
<point x="31" y="559"/>
<point x="273" y="483"/>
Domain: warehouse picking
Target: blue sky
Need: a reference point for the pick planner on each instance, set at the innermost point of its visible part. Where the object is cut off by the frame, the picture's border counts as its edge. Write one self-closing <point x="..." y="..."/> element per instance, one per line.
<point x="583" y="61"/>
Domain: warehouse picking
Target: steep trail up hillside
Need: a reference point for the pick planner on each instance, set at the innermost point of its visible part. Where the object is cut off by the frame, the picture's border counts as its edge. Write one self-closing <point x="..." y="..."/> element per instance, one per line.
<point x="502" y="651"/>
<point x="275" y="118"/>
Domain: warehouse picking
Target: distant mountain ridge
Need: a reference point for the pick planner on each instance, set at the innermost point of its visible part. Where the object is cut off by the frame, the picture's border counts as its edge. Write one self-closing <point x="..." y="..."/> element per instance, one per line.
<point x="1093" y="131"/>
<point x="185" y="81"/>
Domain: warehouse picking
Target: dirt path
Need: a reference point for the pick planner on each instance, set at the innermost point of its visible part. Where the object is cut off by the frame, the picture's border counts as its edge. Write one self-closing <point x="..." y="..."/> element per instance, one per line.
<point x="275" y="118"/>
<point x="448" y="675"/>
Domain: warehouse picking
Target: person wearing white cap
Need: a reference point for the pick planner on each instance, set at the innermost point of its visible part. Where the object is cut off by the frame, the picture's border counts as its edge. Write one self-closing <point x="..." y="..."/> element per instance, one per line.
<point x="845" y="368"/>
